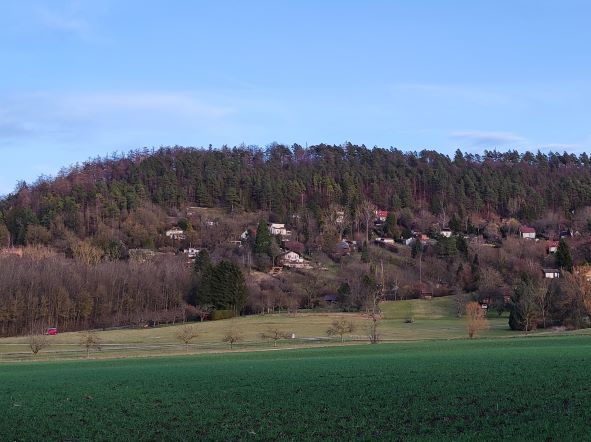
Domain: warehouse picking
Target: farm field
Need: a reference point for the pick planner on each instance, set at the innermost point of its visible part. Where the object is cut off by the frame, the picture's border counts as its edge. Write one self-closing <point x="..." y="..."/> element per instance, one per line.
<point x="434" y="319"/>
<point x="534" y="388"/>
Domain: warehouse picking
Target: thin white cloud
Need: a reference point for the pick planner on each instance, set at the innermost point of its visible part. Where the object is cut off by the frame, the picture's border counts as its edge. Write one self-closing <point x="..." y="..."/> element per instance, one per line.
<point x="481" y="138"/>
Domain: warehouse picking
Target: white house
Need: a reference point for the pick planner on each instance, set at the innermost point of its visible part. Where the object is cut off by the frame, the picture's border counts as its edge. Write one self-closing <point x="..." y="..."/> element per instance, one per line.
<point x="175" y="233"/>
<point x="389" y="241"/>
<point x="278" y="229"/>
<point x="191" y="252"/>
<point x="446" y="233"/>
<point x="527" y="232"/>
<point x="293" y="259"/>
<point x="551" y="273"/>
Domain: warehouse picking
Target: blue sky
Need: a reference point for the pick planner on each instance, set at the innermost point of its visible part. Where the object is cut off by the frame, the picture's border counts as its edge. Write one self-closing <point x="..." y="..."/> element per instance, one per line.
<point x="86" y="78"/>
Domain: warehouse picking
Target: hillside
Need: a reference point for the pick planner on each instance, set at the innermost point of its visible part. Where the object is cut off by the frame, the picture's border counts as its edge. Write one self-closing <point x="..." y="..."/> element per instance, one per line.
<point x="114" y="242"/>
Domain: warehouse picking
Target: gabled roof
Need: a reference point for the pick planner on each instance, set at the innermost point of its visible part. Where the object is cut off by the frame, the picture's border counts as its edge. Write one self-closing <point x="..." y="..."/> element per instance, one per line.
<point x="551" y="270"/>
<point x="526" y="229"/>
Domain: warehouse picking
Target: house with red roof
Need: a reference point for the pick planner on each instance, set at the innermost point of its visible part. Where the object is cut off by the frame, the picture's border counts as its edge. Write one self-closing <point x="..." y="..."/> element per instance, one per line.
<point x="527" y="232"/>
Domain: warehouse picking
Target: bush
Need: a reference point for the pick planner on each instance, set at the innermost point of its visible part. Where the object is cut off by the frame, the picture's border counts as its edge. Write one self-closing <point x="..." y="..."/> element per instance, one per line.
<point x="221" y="314"/>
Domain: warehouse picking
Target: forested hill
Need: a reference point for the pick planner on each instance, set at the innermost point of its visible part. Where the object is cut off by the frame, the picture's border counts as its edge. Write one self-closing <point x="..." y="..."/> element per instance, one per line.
<point x="288" y="180"/>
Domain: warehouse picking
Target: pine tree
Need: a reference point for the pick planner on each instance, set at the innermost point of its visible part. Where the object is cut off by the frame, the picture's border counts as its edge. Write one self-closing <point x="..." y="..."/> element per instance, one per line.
<point x="564" y="259"/>
<point x="262" y="243"/>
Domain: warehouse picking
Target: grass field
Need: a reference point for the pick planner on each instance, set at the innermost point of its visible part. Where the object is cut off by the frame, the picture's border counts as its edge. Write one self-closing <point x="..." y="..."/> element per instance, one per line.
<point x="534" y="388"/>
<point x="433" y="320"/>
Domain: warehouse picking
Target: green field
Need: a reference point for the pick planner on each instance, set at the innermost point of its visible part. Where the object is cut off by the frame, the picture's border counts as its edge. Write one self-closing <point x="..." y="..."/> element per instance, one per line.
<point x="434" y="319"/>
<point x="534" y="388"/>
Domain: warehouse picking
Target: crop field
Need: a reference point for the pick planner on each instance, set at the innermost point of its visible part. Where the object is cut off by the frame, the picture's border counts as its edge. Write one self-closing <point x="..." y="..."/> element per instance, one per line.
<point x="534" y="388"/>
<point x="434" y="319"/>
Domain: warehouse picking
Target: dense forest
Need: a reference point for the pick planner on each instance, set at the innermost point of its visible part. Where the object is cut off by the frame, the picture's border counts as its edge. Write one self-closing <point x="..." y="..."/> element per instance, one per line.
<point x="82" y="228"/>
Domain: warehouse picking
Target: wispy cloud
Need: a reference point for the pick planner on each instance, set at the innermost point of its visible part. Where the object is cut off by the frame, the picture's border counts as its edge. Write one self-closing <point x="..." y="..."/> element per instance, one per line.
<point x="62" y="21"/>
<point x="481" y="138"/>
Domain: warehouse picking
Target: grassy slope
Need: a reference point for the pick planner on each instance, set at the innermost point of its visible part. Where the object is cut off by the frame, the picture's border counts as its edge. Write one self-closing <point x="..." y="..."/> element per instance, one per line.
<point x="518" y="389"/>
<point x="434" y="319"/>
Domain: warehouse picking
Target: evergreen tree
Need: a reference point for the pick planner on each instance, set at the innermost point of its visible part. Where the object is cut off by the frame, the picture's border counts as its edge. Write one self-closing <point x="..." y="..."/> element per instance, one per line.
<point x="391" y="228"/>
<point x="262" y="243"/>
<point x="564" y="259"/>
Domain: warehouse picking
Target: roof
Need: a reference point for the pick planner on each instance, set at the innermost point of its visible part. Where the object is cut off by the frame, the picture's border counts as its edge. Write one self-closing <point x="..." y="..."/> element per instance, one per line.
<point x="526" y="229"/>
<point x="330" y="298"/>
<point x="553" y="243"/>
<point x="551" y="270"/>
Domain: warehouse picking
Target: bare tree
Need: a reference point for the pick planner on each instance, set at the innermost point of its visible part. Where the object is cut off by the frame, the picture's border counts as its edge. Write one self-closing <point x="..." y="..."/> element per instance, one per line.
<point x="203" y="311"/>
<point x="231" y="337"/>
<point x="90" y="341"/>
<point x="340" y="327"/>
<point x="475" y="318"/>
<point x="367" y="210"/>
<point x="186" y="334"/>
<point x="275" y="335"/>
<point x="37" y="343"/>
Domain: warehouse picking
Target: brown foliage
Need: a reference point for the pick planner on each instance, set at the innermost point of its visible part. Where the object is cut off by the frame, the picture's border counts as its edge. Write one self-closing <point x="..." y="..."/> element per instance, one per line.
<point x="475" y="318"/>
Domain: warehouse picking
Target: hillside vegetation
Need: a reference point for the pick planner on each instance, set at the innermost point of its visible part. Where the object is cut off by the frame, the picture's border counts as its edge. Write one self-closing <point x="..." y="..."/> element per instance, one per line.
<point x="174" y="234"/>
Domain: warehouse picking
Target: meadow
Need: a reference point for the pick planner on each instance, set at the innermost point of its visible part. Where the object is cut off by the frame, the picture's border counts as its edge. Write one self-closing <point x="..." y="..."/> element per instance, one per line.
<point x="433" y="319"/>
<point x="527" y="388"/>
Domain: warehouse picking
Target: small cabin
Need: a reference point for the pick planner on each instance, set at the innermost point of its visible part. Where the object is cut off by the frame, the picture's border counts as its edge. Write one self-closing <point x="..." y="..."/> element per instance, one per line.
<point x="527" y="232"/>
<point x="551" y="273"/>
<point x="446" y="233"/>
<point x="552" y="246"/>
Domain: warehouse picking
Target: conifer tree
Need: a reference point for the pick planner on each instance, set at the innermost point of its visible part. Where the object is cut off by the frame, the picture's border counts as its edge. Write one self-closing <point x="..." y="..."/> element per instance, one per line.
<point x="564" y="259"/>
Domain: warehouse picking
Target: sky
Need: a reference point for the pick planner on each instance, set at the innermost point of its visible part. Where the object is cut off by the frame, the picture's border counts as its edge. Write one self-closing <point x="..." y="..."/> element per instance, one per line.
<point x="81" y="79"/>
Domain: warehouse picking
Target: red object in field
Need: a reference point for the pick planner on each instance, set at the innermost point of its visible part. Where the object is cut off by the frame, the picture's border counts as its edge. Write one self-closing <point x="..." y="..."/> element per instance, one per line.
<point x="52" y="331"/>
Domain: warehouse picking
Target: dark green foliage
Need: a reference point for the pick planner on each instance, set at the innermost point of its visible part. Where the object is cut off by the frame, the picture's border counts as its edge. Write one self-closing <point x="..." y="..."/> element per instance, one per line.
<point x="18" y="220"/>
<point x="563" y="256"/>
<point x="218" y="315"/>
<point x="391" y="228"/>
<point x="222" y="286"/>
<point x="262" y="243"/>
<point x="416" y="248"/>
<point x="462" y="246"/>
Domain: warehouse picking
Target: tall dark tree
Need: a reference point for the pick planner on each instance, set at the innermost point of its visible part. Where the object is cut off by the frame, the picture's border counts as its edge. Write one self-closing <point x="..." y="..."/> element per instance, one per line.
<point x="262" y="243"/>
<point x="563" y="256"/>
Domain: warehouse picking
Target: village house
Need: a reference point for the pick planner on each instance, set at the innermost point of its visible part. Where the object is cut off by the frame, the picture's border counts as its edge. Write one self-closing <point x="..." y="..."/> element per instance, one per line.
<point x="552" y="246"/>
<point x="381" y="215"/>
<point x="175" y="233"/>
<point x="527" y="232"/>
<point x="278" y="229"/>
<point x="446" y="233"/>
<point x="293" y="259"/>
<point x="340" y="218"/>
<point x="551" y="273"/>
<point x="191" y="252"/>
